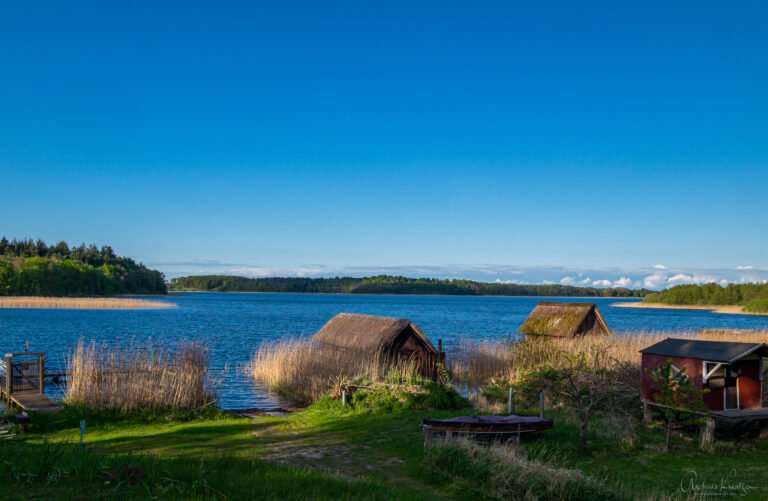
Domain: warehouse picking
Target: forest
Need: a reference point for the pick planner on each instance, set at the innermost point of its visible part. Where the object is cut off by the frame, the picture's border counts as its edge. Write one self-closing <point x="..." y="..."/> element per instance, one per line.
<point x="33" y="268"/>
<point x="753" y="297"/>
<point x="386" y="284"/>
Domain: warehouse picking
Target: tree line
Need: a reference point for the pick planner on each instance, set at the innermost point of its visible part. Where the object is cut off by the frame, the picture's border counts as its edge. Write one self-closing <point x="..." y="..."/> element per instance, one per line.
<point x="753" y="296"/>
<point x="33" y="268"/>
<point x="386" y="284"/>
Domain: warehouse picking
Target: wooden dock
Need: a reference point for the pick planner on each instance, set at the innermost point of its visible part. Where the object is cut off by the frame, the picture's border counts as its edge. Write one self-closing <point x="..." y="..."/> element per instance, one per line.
<point x="33" y="401"/>
<point x="22" y="382"/>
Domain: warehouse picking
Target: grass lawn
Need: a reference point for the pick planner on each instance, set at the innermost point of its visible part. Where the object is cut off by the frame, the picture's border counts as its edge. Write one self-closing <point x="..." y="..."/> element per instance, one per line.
<point x="322" y="452"/>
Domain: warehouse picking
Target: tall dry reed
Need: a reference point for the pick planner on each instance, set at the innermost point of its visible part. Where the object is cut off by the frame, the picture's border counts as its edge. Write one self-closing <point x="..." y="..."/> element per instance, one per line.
<point x="136" y="379"/>
<point x="304" y="370"/>
<point x="94" y="303"/>
<point x="477" y="362"/>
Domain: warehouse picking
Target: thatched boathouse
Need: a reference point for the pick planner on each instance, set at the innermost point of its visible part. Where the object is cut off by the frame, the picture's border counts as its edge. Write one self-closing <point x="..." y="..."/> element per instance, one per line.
<point x="394" y="337"/>
<point x="565" y="320"/>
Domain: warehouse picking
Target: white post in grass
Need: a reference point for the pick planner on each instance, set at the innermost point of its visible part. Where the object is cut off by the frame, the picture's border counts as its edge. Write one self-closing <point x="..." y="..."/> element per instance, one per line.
<point x="511" y="401"/>
<point x="343" y="398"/>
<point x="82" y="434"/>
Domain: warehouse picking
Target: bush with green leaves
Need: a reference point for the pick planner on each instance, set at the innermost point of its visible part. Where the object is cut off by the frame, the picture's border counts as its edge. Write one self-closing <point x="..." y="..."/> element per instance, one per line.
<point x="682" y="401"/>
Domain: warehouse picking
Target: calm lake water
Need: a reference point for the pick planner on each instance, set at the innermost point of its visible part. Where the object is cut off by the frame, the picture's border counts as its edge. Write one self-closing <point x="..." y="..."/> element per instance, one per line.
<point x="233" y="325"/>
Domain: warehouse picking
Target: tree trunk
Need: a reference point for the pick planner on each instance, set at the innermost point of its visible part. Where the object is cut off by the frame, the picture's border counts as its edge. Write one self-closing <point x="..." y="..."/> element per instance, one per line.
<point x="583" y="432"/>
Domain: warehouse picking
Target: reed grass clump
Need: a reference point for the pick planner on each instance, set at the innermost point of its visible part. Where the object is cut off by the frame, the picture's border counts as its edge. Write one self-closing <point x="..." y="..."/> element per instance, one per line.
<point x="86" y="303"/>
<point x="304" y="370"/>
<point x="136" y="380"/>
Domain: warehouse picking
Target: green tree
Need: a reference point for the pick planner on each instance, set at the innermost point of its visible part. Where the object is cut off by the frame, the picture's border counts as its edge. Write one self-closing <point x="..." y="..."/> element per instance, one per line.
<point x="681" y="400"/>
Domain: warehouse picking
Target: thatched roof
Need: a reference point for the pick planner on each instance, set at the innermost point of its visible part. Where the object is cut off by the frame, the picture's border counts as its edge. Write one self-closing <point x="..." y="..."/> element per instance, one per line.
<point x="564" y="320"/>
<point x="363" y="332"/>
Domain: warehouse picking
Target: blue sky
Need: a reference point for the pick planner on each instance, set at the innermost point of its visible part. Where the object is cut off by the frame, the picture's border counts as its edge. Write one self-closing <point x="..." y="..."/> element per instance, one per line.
<point x="559" y="142"/>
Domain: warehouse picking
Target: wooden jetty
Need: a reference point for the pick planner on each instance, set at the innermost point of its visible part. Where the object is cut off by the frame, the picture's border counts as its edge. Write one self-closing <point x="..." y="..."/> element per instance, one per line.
<point x="22" y="382"/>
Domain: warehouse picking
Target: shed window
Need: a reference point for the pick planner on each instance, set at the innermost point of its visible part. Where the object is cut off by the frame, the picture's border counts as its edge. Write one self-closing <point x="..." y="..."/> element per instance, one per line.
<point x="714" y="373"/>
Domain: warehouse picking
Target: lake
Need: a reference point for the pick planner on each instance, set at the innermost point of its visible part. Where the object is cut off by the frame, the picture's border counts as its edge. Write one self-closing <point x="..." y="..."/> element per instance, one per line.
<point x="233" y="325"/>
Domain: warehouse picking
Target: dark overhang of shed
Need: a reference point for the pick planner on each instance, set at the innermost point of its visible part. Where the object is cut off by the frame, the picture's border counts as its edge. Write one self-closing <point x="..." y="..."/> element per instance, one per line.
<point x="713" y="351"/>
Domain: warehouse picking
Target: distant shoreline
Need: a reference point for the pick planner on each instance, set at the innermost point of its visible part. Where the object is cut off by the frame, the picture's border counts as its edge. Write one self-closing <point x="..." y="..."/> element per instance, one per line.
<point x="615" y="298"/>
<point x="82" y="303"/>
<point x="727" y="309"/>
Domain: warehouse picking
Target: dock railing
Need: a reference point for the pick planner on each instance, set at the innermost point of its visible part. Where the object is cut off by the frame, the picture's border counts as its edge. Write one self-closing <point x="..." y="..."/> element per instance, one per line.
<point x="22" y="373"/>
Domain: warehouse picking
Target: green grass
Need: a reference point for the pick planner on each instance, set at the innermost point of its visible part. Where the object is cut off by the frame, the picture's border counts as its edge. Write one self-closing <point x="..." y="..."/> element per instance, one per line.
<point x="328" y="452"/>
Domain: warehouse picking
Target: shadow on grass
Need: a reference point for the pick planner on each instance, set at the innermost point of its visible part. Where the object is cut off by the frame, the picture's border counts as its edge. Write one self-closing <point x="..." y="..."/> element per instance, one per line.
<point x="61" y="471"/>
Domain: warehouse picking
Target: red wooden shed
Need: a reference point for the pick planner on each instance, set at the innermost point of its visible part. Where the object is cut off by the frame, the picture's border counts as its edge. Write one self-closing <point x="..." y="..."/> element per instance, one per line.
<point x="733" y="372"/>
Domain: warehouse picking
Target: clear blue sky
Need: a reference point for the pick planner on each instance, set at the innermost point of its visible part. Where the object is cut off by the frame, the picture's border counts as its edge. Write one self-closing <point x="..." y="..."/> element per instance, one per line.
<point x="486" y="140"/>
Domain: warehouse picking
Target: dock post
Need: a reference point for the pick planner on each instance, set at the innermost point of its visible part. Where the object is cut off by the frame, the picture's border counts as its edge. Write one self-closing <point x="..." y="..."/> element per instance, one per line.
<point x="8" y="376"/>
<point x="541" y="405"/>
<point x="647" y="414"/>
<point x="708" y="433"/>
<point x="511" y="402"/>
<point x="41" y="373"/>
<point x="427" y="435"/>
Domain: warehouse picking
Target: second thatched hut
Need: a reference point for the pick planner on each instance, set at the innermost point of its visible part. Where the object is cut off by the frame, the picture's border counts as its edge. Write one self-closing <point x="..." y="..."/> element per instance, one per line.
<point x="565" y="320"/>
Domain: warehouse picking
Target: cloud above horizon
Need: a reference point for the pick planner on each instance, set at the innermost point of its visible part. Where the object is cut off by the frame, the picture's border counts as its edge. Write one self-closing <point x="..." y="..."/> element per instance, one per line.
<point x="653" y="277"/>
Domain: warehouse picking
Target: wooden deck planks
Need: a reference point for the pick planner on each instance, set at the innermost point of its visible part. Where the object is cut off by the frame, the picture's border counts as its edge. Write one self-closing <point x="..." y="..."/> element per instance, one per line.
<point x="34" y="401"/>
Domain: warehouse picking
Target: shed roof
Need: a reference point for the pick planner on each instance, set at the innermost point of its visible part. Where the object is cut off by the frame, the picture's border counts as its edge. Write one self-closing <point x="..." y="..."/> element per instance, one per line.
<point x="351" y="330"/>
<point x="560" y="319"/>
<point x="714" y="351"/>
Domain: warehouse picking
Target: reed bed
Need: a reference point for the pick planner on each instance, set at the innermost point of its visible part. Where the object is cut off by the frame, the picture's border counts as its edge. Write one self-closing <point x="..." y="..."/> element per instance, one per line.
<point x="92" y="303"/>
<point x="135" y="379"/>
<point x="477" y="362"/>
<point x="304" y="370"/>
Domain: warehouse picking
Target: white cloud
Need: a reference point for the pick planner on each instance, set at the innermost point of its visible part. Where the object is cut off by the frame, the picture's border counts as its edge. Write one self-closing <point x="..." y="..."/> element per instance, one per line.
<point x="654" y="281"/>
<point x="567" y="281"/>
<point x="680" y="278"/>
<point x="622" y="282"/>
<point x="660" y="267"/>
<point x="585" y="281"/>
<point x="602" y="283"/>
<point x="745" y="267"/>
